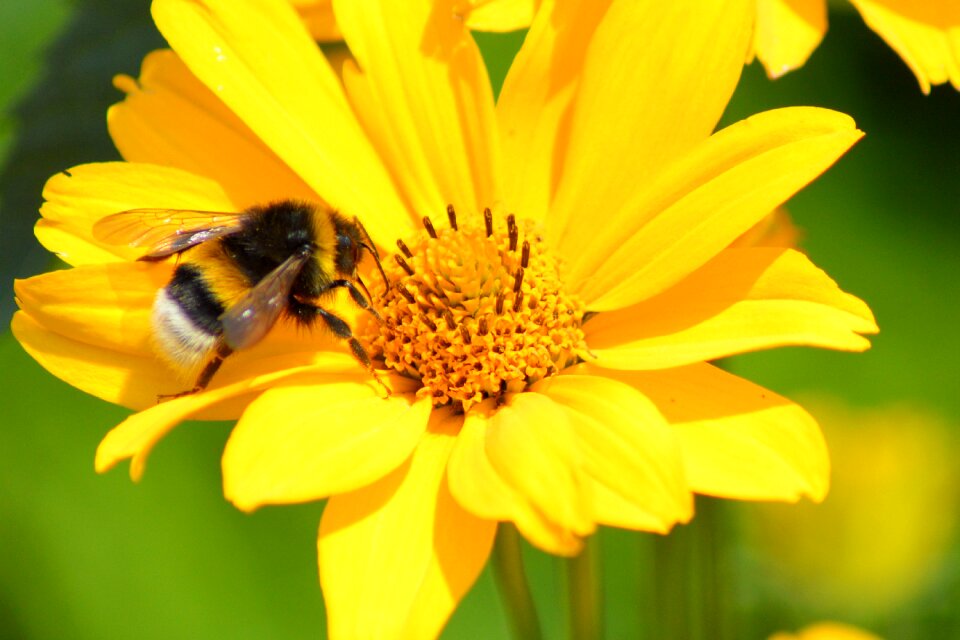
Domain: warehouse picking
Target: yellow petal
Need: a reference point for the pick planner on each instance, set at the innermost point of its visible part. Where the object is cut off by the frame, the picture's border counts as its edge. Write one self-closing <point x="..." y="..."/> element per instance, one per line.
<point x="75" y="246"/>
<point x="261" y="62"/>
<point x="656" y="79"/>
<point x="318" y="16"/>
<point x="136" y="436"/>
<point x="169" y="118"/>
<point x="533" y="110"/>
<point x="774" y="230"/>
<point x="307" y="442"/>
<point x="121" y="378"/>
<point x="423" y="95"/>
<point x="742" y="300"/>
<point x="787" y="32"/>
<point x="104" y="305"/>
<point x="497" y="15"/>
<point x="532" y="445"/>
<point x="702" y="203"/>
<point x="396" y="557"/>
<point x="485" y="493"/>
<point x="630" y="453"/>
<point x="77" y="198"/>
<point x="738" y="440"/>
<point x="926" y="34"/>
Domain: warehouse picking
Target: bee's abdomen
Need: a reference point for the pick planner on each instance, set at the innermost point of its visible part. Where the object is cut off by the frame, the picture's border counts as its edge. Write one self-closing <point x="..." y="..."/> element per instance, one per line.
<point x="186" y="317"/>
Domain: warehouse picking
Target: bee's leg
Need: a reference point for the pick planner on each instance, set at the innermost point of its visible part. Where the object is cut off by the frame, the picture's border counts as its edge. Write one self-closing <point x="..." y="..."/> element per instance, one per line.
<point x="340" y="329"/>
<point x="206" y="375"/>
<point x="358" y="297"/>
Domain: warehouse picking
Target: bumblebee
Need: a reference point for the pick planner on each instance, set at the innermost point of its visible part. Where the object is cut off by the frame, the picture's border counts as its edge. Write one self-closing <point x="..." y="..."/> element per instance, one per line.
<point x="238" y="273"/>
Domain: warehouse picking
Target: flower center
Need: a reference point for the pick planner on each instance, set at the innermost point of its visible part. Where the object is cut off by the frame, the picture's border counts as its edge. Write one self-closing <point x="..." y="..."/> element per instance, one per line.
<point x="474" y="312"/>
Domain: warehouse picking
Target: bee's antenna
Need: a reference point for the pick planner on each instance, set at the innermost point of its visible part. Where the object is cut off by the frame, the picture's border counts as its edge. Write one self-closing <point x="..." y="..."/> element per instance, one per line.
<point x="369" y="246"/>
<point x="366" y="291"/>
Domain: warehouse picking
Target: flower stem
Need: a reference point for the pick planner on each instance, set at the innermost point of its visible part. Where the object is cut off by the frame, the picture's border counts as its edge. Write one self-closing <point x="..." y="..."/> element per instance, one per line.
<point x="583" y="586"/>
<point x="512" y="581"/>
<point x="693" y="581"/>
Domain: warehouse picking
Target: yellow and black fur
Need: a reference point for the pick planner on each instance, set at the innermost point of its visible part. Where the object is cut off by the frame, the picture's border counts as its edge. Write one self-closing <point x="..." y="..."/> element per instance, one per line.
<point x="238" y="273"/>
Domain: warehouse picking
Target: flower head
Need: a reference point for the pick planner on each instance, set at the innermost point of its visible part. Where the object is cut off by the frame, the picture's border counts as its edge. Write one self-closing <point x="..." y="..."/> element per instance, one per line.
<point x="562" y="265"/>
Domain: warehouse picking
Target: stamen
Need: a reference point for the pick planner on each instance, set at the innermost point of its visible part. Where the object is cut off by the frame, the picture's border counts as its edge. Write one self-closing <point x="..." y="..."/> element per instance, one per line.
<point x="403" y="263"/>
<point x="448" y="317"/>
<point x="472" y="314"/>
<point x="428" y="225"/>
<point x="406" y="294"/>
<point x="425" y="319"/>
<point x="518" y="302"/>
<point x="518" y="280"/>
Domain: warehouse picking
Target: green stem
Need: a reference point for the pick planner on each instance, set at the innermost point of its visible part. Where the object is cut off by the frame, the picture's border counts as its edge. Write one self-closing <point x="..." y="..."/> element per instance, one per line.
<point x="514" y="590"/>
<point x="583" y="585"/>
<point x="692" y="581"/>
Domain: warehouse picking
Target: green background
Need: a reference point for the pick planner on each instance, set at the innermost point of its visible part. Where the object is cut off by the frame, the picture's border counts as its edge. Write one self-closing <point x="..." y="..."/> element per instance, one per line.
<point x="88" y="556"/>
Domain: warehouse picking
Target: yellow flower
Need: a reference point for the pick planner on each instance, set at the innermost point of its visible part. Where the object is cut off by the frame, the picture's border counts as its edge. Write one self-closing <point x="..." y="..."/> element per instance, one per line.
<point x="574" y="393"/>
<point x="827" y="631"/>
<point x="925" y="33"/>
<point x="883" y="535"/>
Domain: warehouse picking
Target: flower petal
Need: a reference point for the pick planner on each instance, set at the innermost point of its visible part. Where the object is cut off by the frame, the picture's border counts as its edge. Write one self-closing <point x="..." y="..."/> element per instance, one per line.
<point x="630" y="453"/>
<point x="120" y="378"/>
<point x="318" y="16"/>
<point x="701" y="204"/>
<point x="533" y="109"/>
<point x="408" y="527"/>
<point x="926" y="34"/>
<point x="169" y="118"/>
<point x="258" y="58"/>
<point x="423" y="95"/>
<point x="136" y="436"/>
<point x="656" y="79"/>
<point x="787" y="32"/>
<point x="739" y="440"/>
<point x="105" y="305"/>
<point x="533" y="447"/>
<point x="307" y="442"/>
<point x="77" y="198"/>
<point x="482" y="491"/>
<point x="742" y="300"/>
<point x="498" y="15"/>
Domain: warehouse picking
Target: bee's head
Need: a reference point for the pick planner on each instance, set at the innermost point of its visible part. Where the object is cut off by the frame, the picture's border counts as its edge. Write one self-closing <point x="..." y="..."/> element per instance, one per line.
<point x="352" y="241"/>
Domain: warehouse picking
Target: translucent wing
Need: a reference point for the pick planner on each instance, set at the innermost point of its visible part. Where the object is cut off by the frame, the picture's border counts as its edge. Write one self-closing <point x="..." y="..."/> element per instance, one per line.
<point x="248" y="321"/>
<point x="165" y="231"/>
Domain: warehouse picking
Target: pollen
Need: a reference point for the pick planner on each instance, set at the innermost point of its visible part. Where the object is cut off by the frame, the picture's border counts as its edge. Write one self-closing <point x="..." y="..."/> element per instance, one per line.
<point x="474" y="310"/>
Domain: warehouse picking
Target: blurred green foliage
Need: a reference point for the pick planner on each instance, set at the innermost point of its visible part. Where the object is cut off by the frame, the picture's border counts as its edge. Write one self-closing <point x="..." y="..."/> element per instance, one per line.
<point x="88" y="556"/>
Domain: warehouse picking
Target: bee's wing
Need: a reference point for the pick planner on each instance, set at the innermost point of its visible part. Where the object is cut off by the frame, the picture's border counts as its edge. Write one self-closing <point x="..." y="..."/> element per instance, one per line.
<point x="250" y="318"/>
<point x="165" y="231"/>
